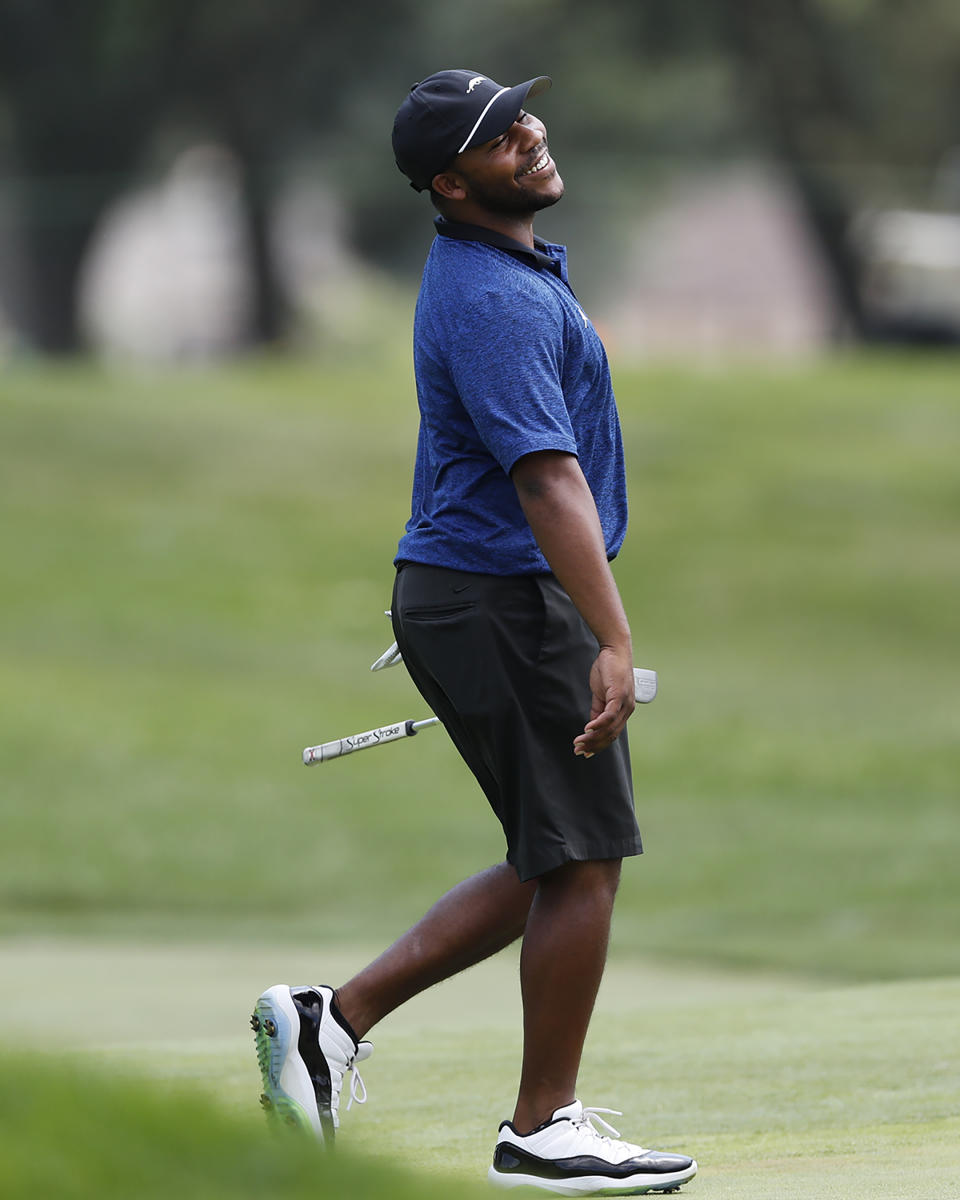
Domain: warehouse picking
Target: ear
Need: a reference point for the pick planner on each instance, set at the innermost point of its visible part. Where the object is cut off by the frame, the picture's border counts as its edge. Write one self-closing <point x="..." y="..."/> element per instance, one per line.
<point x="449" y="185"/>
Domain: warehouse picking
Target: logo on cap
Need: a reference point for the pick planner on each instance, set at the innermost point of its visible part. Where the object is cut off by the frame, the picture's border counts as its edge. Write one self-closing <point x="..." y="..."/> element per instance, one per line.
<point x="473" y="82"/>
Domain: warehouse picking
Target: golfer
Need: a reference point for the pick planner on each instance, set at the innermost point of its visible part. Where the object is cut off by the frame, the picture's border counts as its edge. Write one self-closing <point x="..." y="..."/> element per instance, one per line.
<point x="512" y="628"/>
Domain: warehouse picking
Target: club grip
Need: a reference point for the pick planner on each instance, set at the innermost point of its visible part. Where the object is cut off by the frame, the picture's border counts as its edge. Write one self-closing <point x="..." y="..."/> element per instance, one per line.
<point x="357" y="741"/>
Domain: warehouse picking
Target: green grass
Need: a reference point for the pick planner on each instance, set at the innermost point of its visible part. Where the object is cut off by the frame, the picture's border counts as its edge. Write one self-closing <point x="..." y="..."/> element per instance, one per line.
<point x="783" y="1089"/>
<point x="72" y="1133"/>
<point x="192" y="575"/>
<point x="193" y="571"/>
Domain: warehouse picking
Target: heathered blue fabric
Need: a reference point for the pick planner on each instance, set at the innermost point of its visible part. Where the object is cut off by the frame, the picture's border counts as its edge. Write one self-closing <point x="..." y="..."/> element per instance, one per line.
<point x="506" y="363"/>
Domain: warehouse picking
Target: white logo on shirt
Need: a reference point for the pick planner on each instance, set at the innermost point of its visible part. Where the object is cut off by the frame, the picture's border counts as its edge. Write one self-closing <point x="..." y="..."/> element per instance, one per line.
<point x="473" y="82"/>
<point x="586" y="319"/>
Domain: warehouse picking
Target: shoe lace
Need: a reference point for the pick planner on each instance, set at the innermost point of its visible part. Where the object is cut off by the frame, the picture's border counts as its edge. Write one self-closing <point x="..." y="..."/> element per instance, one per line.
<point x="358" y="1089"/>
<point x="591" y="1117"/>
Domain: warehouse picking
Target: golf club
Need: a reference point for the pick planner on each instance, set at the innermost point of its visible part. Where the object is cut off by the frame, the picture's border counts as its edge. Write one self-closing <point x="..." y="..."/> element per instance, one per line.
<point x="644" y="690"/>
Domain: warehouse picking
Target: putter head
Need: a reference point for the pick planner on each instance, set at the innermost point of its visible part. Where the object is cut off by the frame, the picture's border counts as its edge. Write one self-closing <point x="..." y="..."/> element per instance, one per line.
<point x="644" y="684"/>
<point x="389" y="658"/>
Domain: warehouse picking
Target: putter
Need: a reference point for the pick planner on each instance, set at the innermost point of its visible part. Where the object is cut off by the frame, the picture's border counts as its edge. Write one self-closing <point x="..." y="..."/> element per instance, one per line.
<point x="644" y="690"/>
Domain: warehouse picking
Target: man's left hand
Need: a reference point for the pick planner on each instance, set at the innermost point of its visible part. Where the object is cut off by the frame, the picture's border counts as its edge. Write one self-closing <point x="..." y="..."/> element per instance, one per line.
<point x="612" y="688"/>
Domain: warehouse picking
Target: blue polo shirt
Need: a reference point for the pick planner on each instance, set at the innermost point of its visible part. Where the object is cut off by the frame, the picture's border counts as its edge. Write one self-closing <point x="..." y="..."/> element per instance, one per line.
<point x="506" y="363"/>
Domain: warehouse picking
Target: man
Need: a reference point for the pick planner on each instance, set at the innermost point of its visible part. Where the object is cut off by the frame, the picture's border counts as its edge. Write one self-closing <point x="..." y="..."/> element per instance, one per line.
<point x="511" y="626"/>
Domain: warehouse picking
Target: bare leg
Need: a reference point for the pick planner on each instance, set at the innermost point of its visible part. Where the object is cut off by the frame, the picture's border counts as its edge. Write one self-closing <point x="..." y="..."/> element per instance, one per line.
<point x="561" y="965"/>
<point x="472" y="921"/>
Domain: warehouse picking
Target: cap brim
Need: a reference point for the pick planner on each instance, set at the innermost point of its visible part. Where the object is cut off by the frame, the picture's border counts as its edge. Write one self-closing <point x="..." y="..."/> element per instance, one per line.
<point x="505" y="109"/>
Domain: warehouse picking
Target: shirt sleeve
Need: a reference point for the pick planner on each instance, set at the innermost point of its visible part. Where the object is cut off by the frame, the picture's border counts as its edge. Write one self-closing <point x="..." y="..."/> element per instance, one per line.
<point x="506" y="362"/>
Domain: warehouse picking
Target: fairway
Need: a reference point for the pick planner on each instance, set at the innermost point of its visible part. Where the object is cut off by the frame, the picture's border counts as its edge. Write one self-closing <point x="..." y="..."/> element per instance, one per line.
<point x="781" y="1088"/>
<point x="193" y="587"/>
<point x="194" y="574"/>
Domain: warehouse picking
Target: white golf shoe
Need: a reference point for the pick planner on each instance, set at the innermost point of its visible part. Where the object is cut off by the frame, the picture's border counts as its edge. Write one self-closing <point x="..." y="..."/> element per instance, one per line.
<point x="569" y="1155"/>
<point x="305" y="1048"/>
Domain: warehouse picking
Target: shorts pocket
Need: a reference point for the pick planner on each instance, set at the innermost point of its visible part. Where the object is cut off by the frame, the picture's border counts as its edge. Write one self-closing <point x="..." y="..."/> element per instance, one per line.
<point x="439" y="612"/>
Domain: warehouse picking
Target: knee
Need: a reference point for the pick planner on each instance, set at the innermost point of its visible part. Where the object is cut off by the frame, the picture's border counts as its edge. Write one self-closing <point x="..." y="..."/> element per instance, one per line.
<point x="596" y="878"/>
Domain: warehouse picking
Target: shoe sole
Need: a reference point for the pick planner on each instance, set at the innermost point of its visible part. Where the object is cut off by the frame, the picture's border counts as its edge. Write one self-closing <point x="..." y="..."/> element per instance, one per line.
<point x="288" y="1097"/>
<point x="595" y="1185"/>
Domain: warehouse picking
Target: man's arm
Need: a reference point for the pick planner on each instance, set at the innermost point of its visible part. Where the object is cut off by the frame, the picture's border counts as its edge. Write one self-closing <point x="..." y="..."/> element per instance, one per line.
<point x="562" y="514"/>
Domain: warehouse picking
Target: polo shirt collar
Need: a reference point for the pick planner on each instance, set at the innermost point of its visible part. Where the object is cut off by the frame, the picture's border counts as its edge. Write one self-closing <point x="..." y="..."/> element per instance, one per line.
<point x="478" y="233"/>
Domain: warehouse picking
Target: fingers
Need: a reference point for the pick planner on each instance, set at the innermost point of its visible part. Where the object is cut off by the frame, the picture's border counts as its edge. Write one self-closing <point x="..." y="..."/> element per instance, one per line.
<point x="612" y="691"/>
<point x="604" y="728"/>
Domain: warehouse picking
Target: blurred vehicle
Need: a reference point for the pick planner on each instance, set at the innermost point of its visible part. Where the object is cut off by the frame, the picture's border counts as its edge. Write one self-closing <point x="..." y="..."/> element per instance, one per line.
<point x="911" y="267"/>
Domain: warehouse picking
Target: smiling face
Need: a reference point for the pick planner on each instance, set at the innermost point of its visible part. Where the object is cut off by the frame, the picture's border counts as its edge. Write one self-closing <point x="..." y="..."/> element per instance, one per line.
<point x="512" y="174"/>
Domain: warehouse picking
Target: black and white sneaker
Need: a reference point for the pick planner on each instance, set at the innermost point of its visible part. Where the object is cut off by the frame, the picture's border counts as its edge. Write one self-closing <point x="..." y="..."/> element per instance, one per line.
<point x="570" y="1156"/>
<point x="305" y="1047"/>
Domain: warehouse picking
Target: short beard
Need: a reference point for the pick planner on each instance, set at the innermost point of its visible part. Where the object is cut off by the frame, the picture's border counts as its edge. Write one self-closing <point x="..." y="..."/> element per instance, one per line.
<point x="507" y="201"/>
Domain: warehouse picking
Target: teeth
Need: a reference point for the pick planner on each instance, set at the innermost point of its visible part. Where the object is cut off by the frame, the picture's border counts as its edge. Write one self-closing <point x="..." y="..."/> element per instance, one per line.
<point x="539" y="164"/>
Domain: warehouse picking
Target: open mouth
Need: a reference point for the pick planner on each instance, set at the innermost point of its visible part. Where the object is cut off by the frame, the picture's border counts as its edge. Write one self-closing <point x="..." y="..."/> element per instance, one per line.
<point x="542" y="162"/>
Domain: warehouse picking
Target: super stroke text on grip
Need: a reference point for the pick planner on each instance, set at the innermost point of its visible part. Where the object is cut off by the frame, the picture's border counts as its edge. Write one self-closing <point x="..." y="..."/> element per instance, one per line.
<point x="375" y="735"/>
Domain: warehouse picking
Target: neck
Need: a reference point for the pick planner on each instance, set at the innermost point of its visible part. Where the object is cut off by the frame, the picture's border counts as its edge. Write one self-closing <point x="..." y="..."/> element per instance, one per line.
<point x="512" y="225"/>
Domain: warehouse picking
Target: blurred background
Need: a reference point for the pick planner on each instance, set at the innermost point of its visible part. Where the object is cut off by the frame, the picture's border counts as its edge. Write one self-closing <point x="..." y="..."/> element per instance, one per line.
<point x="181" y="181"/>
<point x="208" y="265"/>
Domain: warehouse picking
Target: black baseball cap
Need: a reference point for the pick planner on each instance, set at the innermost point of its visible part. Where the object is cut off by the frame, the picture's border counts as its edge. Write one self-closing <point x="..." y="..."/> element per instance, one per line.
<point x="448" y="113"/>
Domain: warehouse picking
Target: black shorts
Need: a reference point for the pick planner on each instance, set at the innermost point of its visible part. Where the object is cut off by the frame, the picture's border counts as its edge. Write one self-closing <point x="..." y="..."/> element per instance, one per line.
<point x="504" y="662"/>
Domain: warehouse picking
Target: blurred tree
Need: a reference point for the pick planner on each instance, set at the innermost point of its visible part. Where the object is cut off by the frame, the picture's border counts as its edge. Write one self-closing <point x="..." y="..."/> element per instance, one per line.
<point x="88" y="86"/>
<point x="808" y="100"/>
<point x="263" y="78"/>
<point x="833" y="87"/>
<point x="856" y="100"/>
<point x="828" y="86"/>
<point x="84" y="86"/>
<point x="240" y="77"/>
